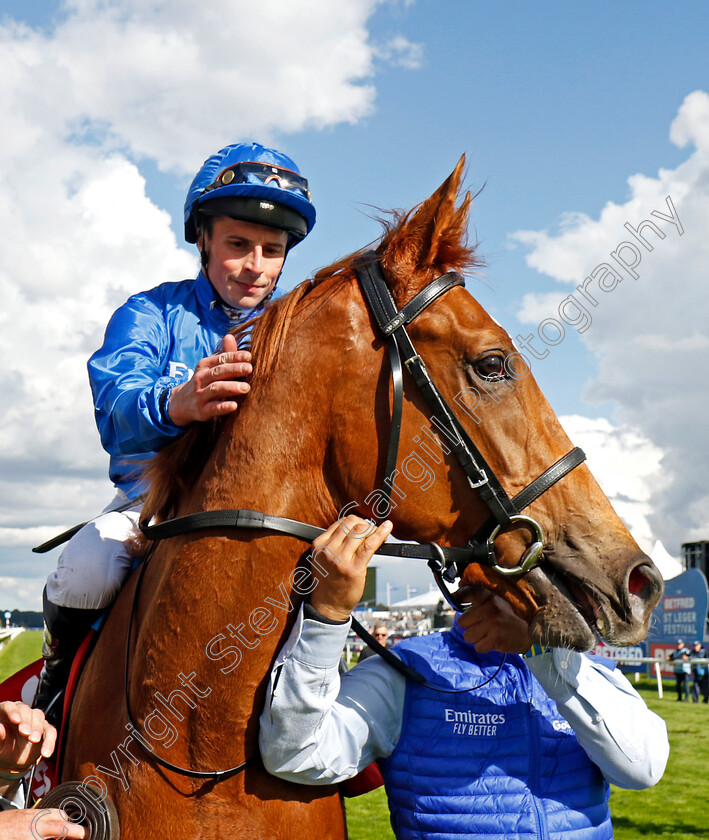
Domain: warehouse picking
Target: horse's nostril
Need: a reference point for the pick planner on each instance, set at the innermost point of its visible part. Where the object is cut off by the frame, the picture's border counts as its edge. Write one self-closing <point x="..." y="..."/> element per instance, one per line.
<point x="637" y="580"/>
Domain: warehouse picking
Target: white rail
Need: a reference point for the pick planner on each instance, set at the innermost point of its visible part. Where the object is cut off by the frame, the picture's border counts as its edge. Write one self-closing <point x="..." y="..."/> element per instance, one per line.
<point x="658" y="665"/>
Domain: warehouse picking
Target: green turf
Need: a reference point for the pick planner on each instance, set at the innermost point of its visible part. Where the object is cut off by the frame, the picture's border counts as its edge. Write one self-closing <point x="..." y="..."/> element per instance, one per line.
<point x="368" y="817"/>
<point x="676" y="809"/>
<point x="22" y="650"/>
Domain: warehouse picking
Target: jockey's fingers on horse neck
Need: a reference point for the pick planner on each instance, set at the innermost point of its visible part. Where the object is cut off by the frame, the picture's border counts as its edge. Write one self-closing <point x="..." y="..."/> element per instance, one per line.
<point x="226" y="368"/>
<point x="230" y="344"/>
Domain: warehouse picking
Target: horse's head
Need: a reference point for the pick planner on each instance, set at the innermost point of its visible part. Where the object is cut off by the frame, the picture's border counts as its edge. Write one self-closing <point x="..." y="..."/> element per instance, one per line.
<point x="312" y="438"/>
<point x="593" y="578"/>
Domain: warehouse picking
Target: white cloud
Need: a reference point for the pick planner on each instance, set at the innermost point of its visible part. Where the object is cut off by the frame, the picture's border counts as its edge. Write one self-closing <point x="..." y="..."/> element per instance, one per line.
<point x="20" y="593"/>
<point x="401" y="52"/>
<point x="171" y="79"/>
<point x="649" y="334"/>
<point x="626" y="465"/>
<point x="70" y="256"/>
<point x="112" y="82"/>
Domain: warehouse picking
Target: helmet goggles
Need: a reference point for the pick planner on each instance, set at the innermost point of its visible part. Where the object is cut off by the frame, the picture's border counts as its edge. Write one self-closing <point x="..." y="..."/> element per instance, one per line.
<point x="252" y="172"/>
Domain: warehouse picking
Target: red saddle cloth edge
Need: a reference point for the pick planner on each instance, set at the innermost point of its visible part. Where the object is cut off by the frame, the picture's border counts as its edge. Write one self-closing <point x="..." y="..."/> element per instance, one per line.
<point x="77" y="667"/>
<point x="21" y="687"/>
<point x="365" y="781"/>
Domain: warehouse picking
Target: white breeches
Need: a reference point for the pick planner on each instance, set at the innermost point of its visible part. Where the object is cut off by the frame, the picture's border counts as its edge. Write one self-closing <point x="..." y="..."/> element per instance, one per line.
<point x="96" y="560"/>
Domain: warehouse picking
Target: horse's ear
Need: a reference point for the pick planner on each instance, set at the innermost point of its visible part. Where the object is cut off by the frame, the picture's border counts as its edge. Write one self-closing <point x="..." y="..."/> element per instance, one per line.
<point x="433" y="236"/>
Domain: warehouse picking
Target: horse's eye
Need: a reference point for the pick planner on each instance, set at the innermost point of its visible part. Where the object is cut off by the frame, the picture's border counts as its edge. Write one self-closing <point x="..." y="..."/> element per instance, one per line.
<point x="490" y="367"/>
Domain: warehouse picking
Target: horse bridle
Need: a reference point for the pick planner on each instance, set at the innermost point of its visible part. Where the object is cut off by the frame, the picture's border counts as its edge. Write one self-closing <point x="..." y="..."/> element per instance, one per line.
<point x="446" y="562"/>
<point x="481" y="477"/>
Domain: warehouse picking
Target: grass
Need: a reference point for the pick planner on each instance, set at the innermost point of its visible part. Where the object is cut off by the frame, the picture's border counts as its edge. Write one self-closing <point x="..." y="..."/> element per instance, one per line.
<point x="22" y="650"/>
<point x="675" y="809"/>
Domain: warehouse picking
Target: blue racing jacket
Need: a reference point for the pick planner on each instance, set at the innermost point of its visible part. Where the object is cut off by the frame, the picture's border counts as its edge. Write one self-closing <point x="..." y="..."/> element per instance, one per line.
<point x="152" y="343"/>
<point x="499" y="762"/>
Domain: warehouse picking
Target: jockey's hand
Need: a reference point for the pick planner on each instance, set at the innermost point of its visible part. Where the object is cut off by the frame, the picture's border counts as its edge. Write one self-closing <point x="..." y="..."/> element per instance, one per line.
<point x="344" y="551"/>
<point x="24" y="736"/>
<point x="491" y="623"/>
<point x="47" y="824"/>
<point x="214" y="388"/>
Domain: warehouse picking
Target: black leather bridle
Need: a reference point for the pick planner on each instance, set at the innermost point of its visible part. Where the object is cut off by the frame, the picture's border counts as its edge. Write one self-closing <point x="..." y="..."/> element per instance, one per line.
<point x="504" y="511"/>
<point x="446" y="562"/>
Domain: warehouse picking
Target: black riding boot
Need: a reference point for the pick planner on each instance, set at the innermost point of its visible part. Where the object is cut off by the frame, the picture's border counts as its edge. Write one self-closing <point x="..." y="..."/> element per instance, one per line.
<point x="64" y="630"/>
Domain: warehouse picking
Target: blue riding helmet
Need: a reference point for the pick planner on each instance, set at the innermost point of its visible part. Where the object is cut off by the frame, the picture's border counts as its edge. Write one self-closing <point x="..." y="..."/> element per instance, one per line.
<point x="254" y="184"/>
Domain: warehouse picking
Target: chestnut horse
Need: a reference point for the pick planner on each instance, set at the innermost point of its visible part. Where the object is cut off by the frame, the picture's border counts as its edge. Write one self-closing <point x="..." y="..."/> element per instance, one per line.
<point x="213" y="610"/>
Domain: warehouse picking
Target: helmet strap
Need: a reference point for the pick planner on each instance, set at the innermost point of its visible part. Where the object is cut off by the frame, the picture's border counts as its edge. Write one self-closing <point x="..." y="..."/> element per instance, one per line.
<point x="290" y="243"/>
<point x="204" y="253"/>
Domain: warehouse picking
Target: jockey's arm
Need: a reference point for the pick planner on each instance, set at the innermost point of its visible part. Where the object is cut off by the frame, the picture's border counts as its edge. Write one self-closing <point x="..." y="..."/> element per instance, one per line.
<point x="138" y="407"/>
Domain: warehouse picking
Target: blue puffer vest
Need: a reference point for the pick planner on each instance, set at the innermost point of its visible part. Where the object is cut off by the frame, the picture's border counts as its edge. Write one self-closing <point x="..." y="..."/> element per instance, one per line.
<point x="498" y="762"/>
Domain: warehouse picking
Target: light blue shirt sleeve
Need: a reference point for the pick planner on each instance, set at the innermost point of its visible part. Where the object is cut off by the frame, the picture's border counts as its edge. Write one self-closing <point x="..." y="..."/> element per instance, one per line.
<point x="626" y="740"/>
<point x="318" y="727"/>
<point x="8" y="803"/>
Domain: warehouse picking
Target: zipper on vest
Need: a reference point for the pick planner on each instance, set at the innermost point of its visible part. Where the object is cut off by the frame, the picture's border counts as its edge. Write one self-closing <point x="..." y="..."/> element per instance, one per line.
<point x="534" y="774"/>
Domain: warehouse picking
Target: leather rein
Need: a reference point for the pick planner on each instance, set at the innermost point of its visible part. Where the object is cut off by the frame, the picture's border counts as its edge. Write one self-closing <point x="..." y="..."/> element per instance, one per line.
<point x="446" y="562"/>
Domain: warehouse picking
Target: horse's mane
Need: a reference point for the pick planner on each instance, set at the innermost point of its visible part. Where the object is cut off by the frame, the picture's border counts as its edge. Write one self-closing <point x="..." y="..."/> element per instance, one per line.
<point x="177" y="467"/>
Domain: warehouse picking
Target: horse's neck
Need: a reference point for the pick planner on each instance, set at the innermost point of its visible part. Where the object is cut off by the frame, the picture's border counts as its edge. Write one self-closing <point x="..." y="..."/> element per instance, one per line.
<point x="270" y="458"/>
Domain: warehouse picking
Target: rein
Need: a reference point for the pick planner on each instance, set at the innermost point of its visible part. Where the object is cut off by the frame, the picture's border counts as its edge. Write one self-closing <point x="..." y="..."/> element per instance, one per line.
<point x="446" y="562"/>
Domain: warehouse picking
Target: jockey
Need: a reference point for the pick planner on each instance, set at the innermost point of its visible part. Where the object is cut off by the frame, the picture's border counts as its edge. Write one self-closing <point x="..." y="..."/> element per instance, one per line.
<point x="490" y="744"/>
<point x="158" y="370"/>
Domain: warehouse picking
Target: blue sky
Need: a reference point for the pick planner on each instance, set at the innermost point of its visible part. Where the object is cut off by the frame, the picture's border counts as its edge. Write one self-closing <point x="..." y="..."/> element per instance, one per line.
<point x="555" y="105"/>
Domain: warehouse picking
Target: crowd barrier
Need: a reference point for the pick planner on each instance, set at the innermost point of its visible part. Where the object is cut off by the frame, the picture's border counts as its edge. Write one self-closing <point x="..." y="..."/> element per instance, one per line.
<point x="6" y="634"/>
<point x="657" y="666"/>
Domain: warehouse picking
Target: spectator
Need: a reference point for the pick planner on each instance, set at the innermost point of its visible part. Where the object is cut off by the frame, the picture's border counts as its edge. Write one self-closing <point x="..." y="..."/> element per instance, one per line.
<point x="381" y="634"/>
<point x="700" y="674"/>
<point x="489" y="744"/>
<point x="25" y="736"/>
<point x="682" y="669"/>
